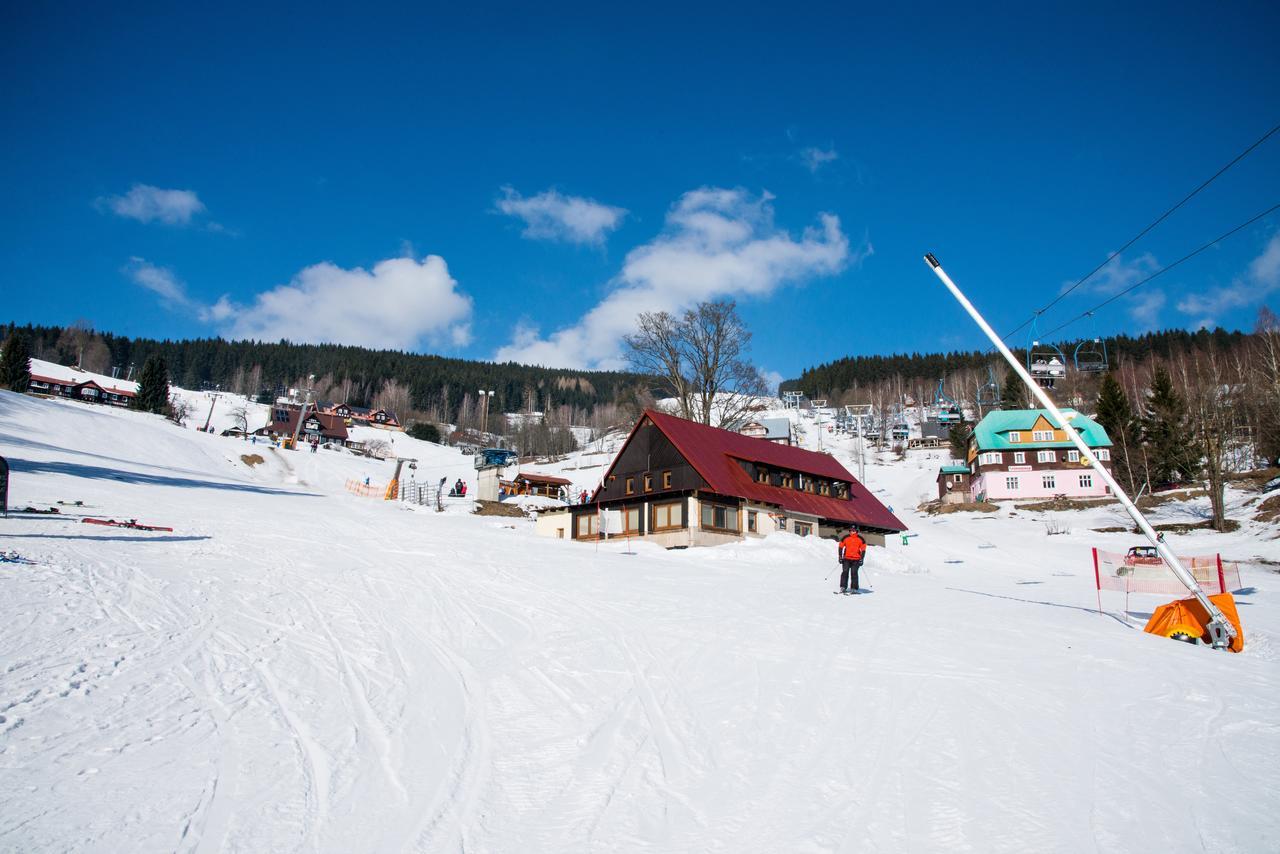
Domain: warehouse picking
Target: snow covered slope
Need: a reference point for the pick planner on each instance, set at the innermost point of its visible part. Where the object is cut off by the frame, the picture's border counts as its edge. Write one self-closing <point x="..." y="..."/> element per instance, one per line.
<point x="296" y="668"/>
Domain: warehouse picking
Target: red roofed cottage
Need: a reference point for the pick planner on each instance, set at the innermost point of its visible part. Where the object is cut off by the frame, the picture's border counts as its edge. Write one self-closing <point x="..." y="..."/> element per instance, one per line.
<point x="679" y="483"/>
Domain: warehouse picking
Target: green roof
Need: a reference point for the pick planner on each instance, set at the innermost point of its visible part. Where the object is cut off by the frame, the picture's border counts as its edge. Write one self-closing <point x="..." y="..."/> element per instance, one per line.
<point x="954" y="470"/>
<point x="992" y="432"/>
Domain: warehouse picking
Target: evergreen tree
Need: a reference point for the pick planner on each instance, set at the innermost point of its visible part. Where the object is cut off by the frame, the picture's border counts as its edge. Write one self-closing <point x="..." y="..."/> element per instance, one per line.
<point x="1116" y="417"/>
<point x="424" y="430"/>
<point x="153" y="386"/>
<point x="958" y="435"/>
<point x="1013" y="394"/>
<point x="1172" y="451"/>
<point x="15" y="363"/>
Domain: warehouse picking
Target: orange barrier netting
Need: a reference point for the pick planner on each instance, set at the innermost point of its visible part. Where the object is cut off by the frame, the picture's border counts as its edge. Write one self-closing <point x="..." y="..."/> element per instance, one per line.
<point x="365" y="490"/>
<point x="1133" y="574"/>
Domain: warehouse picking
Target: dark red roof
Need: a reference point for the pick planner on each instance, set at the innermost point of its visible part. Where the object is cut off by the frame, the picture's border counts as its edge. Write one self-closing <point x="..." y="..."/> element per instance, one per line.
<point x="714" y="454"/>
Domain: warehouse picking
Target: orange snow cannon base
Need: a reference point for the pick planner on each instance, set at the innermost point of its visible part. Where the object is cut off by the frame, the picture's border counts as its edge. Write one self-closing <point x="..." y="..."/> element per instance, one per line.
<point x="1186" y="620"/>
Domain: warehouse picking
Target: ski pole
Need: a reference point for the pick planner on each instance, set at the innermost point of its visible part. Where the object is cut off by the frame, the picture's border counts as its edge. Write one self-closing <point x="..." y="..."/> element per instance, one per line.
<point x="829" y="574"/>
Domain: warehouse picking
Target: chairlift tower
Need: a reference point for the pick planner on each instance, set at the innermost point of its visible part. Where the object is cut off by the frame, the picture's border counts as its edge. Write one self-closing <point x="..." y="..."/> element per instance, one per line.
<point x="791" y="399"/>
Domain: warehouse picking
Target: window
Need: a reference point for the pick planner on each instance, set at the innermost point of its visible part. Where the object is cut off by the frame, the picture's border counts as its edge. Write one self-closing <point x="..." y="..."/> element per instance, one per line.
<point x="824" y="488"/>
<point x="1019" y="457"/>
<point x="991" y="458"/>
<point x="803" y="529"/>
<point x="1102" y="454"/>
<point x="1015" y="437"/>
<point x="780" y="522"/>
<point x="631" y="485"/>
<point x="584" y="525"/>
<point x="1042" y="436"/>
<point x="1046" y="456"/>
<point x="751" y="521"/>
<point x="809" y="486"/>
<point x="786" y="481"/>
<point x="631" y="520"/>
<point x="1048" y="482"/>
<point x="1011" y="483"/>
<point x="666" y="480"/>
<point x="1073" y="456"/>
<point x="648" y="483"/>
<point x="718" y="517"/>
<point x="1086" y="481"/>
<point x="667" y="516"/>
<point x="957" y="478"/>
<point x="762" y="475"/>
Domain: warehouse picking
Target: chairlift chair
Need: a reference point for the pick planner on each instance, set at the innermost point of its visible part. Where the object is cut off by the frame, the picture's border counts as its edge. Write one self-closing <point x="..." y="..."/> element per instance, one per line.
<point x="988" y="396"/>
<point x="1090" y="354"/>
<point x="1045" y="362"/>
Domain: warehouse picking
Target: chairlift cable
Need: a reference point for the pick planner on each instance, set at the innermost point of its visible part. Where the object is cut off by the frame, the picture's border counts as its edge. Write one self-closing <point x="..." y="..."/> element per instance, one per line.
<point x="1164" y="269"/>
<point x="1144" y="231"/>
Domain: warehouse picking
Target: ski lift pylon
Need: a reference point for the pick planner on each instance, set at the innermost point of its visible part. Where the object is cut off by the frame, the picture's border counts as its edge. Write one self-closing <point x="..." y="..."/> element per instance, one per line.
<point x="1090" y="354"/>
<point x="1045" y="362"/>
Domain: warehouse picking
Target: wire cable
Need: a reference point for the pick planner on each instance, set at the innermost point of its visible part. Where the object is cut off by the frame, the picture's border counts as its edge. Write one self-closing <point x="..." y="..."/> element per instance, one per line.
<point x="1163" y="270"/>
<point x="1144" y="231"/>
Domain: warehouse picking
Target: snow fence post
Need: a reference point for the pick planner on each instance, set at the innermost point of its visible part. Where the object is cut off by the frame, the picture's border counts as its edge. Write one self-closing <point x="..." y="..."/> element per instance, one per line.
<point x="1222" y="581"/>
<point x="1097" y="578"/>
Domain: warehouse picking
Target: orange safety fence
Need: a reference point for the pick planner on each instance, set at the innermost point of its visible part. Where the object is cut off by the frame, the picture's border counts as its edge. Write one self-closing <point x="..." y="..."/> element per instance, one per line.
<point x="365" y="490"/>
<point x="1129" y="574"/>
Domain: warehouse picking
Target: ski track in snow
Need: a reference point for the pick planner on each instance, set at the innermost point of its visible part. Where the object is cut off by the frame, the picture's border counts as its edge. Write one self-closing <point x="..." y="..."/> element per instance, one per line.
<point x="297" y="669"/>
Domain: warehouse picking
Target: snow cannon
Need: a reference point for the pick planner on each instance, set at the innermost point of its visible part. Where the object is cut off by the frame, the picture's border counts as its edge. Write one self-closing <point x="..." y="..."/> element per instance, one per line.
<point x="1187" y="620"/>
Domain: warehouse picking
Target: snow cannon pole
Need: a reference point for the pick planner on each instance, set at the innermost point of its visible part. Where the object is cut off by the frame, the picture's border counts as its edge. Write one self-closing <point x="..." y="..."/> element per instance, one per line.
<point x="1220" y="629"/>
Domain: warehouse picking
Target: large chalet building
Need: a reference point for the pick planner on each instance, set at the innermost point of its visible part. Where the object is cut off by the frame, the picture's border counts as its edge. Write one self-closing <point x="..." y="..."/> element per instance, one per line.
<point x="678" y="483"/>
<point x="54" y="380"/>
<point x="1017" y="453"/>
<point x="320" y="427"/>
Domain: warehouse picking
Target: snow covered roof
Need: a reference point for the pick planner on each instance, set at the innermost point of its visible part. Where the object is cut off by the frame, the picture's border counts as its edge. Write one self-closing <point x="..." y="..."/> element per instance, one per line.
<point x="43" y="371"/>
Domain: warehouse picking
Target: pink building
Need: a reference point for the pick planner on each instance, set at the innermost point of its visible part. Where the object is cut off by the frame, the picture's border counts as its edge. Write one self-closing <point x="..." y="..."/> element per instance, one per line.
<point x="1019" y="454"/>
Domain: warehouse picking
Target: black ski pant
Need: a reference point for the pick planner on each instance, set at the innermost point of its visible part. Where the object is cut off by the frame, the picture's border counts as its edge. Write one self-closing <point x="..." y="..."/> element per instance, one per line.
<point x="848" y="573"/>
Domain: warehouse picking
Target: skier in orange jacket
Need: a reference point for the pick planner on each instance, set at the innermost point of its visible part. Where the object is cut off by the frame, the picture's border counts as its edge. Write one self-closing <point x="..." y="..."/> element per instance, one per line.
<point x="852" y="550"/>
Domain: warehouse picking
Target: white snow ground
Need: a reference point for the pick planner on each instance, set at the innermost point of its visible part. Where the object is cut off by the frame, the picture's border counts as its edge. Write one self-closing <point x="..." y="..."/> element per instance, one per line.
<point x="295" y="668"/>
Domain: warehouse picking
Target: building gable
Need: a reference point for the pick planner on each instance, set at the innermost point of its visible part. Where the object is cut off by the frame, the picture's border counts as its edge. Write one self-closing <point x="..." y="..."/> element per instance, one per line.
<point x="649" y="451"/>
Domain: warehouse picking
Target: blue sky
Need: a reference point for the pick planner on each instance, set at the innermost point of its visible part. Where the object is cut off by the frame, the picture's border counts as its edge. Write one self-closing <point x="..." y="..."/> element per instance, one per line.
<point x="516" y="182"/>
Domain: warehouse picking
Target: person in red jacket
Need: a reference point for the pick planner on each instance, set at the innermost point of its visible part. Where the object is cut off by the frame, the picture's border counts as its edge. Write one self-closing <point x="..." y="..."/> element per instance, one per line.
<point x="852" y="550"/>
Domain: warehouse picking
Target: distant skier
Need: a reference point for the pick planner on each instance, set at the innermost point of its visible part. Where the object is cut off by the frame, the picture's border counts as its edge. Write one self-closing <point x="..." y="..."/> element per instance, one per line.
<point x="852" y="550"/>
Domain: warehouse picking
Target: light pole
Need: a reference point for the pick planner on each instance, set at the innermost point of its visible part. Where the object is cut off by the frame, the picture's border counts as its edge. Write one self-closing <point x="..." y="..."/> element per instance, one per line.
<point x="486" y="398"/>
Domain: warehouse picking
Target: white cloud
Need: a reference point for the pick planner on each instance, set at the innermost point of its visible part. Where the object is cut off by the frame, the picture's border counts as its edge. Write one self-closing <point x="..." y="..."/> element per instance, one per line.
<point x="552" y="216"/>
<point x="717" y="243"/>
<point x="1145" y="309"/>
<point x="1119" y="274"/>
<point x="815" y="158"/>
<point x="399" y="304"/>
<point x="146" y="203"/>
<point x="158" y="280"/>
<point x="173" y="291"/>
<point x="773" y="379"/>
<point x="1260" y="278"/>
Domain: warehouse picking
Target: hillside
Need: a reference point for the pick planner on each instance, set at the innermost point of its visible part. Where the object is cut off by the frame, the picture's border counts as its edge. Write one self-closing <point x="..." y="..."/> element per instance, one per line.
<point x="297" y="668"/>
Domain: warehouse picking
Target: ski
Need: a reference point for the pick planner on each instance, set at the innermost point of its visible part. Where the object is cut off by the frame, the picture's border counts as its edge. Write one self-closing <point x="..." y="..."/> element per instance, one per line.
<point x="14" y="557"/>
<point x="132" y="524"/>
<point x="74" y="504"/>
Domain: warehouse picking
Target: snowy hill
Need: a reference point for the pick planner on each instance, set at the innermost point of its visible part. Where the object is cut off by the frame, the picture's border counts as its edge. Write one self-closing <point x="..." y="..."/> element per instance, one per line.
<point x="295" y="667"/>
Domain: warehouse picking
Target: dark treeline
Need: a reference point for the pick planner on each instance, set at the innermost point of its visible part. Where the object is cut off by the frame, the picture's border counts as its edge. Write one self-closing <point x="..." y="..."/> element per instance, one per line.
<point x="830" y="379"/>
<point x="444" y="387"/>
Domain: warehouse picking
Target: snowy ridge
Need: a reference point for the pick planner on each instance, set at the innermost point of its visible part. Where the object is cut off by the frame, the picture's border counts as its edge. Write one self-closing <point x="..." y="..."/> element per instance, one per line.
<point x="297" y="668"/>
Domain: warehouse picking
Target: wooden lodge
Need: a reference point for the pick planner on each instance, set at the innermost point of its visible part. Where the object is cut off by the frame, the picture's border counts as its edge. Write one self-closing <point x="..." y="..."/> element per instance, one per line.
<point x="679" y="483"/>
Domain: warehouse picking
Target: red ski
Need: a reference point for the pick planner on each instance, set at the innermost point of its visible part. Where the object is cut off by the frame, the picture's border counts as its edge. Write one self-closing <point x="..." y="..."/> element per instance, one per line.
<point x="127" y="523"/>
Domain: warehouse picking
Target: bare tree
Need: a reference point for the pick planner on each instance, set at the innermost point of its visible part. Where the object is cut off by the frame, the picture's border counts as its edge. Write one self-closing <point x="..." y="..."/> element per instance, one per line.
<point x="702" y="357"/>
<point x="393" y="397"/>
<point x="240" y="417"/>
<point x="1211" y="387"/>
<point x="179" y="410"/>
